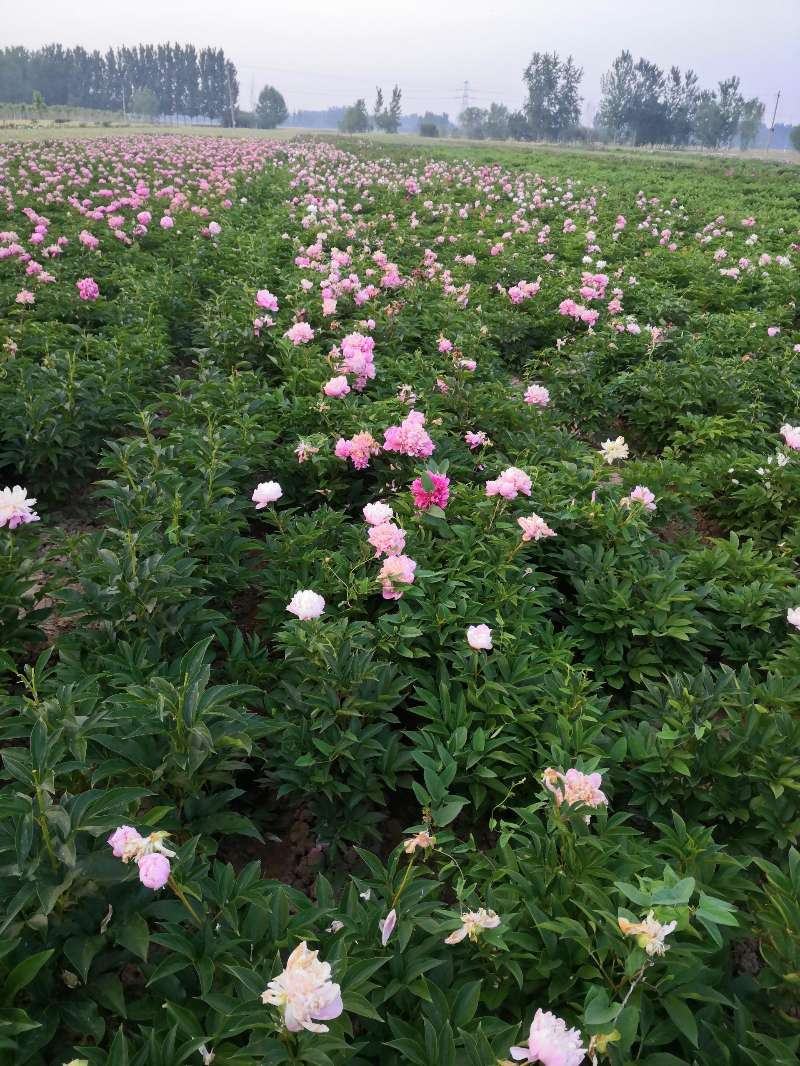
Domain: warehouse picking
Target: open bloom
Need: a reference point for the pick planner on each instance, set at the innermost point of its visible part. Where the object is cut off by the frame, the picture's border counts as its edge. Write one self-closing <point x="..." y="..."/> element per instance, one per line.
<point x="16" y="507"/>
<point x="641" y="494"/>
<point x="649" y="933"/>
<point x="88" y="289"/>
<point x="376" y="513"/>
<point x="511" y="482"/>
<point x="359" y="449"/>
<point x="537" y="395"/>
<point x="551" y="1043"/>
<point x="265" y="493"/>
<point x="387" y="539"/>
<point x="471" y="925"/>
<point x="479" y="638"/>
<point x="306" y="605"/>
<point x="336" y="387"/>
<point x="410" y="437"/>
<point x="575" y="788"/>
<point x="437" y="496"/>
<point x="475" y="440"/>
<point x="614" y="449"/>
<point x="419" y="840"/>
<point x="534" y="527"/>
<point x="304" y="992"/>
<point x="396" y="570"/>
<point x="265" y="299"/>
<point x="793" y="617"/>
<point x="299" y="333"/>
<point x="791" y="434"/>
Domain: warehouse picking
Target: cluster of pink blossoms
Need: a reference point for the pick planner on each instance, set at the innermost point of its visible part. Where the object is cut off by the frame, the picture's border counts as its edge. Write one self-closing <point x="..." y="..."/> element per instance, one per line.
<point x="524" y="290"/>
<point x="510" y="484"/>
<point x="16" y="507"/>
<point x="359" y="449"/>
<point x="436" y="496"/>
<point x="410" y="437"/>
<point x="149" y="854"/>
<point x="389" y="540"/>
<point x="578" y="312"/>
<point x="575" y="788"/>
<point x="358" y="359"/>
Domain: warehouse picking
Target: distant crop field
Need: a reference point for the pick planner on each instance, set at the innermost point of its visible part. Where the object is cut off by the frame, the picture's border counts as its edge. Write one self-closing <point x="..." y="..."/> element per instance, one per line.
<point x="399" y="602"/>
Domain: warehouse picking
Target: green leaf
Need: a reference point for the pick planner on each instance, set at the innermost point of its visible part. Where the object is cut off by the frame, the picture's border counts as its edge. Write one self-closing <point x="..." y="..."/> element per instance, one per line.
<point x="682" y="1018"/>
<point x="22" y="975"/>
<point x="135" y="936"/>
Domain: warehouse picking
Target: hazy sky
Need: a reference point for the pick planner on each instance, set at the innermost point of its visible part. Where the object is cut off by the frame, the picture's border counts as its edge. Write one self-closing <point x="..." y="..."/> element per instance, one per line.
<point x="323" y="52"/>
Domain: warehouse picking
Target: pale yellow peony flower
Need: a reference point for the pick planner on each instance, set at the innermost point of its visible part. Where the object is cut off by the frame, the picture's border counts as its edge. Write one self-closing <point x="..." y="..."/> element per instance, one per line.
<point x="472" y="923"/>
<point x="649" y="933"/>
<point x="304" y="992"/>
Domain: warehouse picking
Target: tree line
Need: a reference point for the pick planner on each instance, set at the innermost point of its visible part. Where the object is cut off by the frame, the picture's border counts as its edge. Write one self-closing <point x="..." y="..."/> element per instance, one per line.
<point x="148" y="79"/>
<point x="641" y="104"/>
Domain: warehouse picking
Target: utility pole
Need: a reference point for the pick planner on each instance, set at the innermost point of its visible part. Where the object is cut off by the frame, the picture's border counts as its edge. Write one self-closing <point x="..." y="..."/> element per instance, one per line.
<point x="465" y="97"/>
<point x="230" y="97"/>
<point x="772" y="124"/>
<point x="124" y="114"/>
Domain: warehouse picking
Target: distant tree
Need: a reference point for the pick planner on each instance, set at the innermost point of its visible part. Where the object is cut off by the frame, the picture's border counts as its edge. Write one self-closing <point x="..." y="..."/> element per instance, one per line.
<point x="355" y="118"/>
<point x="554" y="104"/>
<point x="143" y="102"/>
<point x="617" y="88"/>
<point x="718" y="113"/>
<point x="496" y="124"/>
<point x="794" y="138"/>
<point x="750" y="122"/>
<point x="38" y="103"/>
<point x="271" y="108"/>
<point x="428" y="129"/>
<point x="518" y="126"/>
<point x="472" y="121"/>
<point x="395" y="111"/>
<point x="246" y="120"/>
<point x="681" y="98"/>
<point x="377" y="112"/>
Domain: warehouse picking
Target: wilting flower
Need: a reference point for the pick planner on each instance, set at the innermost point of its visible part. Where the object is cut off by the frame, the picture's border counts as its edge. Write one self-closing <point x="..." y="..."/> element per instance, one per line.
<point x="551" y="1043"/>
<point x="386" y="926"/>
<point x="16" y="507"/>
<point x="265" y="493"/>
<point x="335" y="926"/>
<point x="397" y="569"/>
<point x="575" y="788"/>
<point x="537" y="395"/>
<point x="471" y="925"/>
<point x="304" y="451"/>
<point x="475" y="440"/>
<point x="511" y="482"/>
<point x="641" y="494"/>
<point x="649" y="933"/>
<point x="304" y="992"/>
<point x="612" y="450"/>
<point x="436" y="496"/>
<point x="149" y="854"/>
<point x="375" y="513"/>
<point x="306" y="605"/>
<point x="419" y="840"/>
<point x="479" y="637"/>
<point x="791" y="434"/>
<point x="793" y="617"/>
<point x="88" y="289"/>
<point x="534" y="527"/>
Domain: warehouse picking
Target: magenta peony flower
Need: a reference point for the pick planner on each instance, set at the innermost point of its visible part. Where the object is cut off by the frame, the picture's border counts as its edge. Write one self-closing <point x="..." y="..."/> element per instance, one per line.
<point x="88" y="289"/>
<point x="437" y="496"/>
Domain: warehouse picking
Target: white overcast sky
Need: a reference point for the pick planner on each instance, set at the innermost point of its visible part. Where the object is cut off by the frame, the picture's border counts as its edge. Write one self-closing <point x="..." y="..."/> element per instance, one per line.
<point x="324" y="52"/>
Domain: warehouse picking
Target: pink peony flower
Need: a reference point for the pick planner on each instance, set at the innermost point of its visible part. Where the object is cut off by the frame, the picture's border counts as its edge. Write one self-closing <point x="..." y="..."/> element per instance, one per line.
<point x="445" y="345"/>
<point x="306" y="605"/>
<point x="265" y="299"/>
<point x="551" y="1043"/>
<point x="25" y="296"/>
<point x="300" y="333"/>
<point x="511" y="482"/>
<point x="304" y="992"/>
<point x="154" y="870"/>
<point x="773" y="331"/>
<point x="396" y="569"/>
<point x="410" y="437"/>
<point x="387" y="539"/>
<point x="375" y="513"/>
<point x="575" y="788"/>
<point x="793" y="617"/>
<point x="124" y="840"/>
<point x="16" y="507"/>
<point x="534" y="527"/>
<point x="359" y="449"/>
<point x="265" y="493"/>
<point x="641" y="494"/>
<point x="336" y="387"/>
<point x="479" y="637"/>
<point x="437" y="495"/>
<point x="791" y="435"/>
<point x="537" y="395"/>
<point x="88" y="289"/>
<point x="475" y="440"/>
<point x="166" y="222"/>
